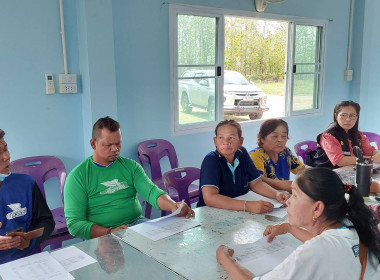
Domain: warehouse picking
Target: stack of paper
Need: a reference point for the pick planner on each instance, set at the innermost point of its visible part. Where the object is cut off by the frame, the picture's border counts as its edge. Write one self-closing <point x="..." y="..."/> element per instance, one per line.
<point x="55" y="265"/>
<point x="261" y="256"/>
<point x="165" y="226"/>
<point x="279" y="210"/>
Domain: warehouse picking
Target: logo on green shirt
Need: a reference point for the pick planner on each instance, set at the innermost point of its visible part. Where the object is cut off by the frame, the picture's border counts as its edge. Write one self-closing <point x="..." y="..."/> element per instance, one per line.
<point x="114" y="186"/>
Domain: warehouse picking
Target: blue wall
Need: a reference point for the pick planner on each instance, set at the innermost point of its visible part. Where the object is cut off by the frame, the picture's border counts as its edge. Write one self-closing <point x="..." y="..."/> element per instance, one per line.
<point x="121" y="50"/>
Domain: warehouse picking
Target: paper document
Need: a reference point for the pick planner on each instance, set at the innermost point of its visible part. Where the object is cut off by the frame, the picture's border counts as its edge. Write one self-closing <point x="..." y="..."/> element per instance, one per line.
<point x="172" y="214"/>
<point x="164" y="227"/>
<point x="252" y="196"/>
<point x="72" y="258"/>
<point x="278" y="212"/>
<point x="261" y="256"/>
<point x="37" y="267"/>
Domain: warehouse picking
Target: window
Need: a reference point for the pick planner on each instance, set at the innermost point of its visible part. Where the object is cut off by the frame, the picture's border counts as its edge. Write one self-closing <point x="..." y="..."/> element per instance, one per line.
<point x="306" y="68"/>
<point x="242" y="67"/>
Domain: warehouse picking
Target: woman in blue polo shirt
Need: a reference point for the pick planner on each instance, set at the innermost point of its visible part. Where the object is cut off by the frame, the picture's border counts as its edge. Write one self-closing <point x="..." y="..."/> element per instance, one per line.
<point x="229" y="172"/>
<point x="272" y="158"/>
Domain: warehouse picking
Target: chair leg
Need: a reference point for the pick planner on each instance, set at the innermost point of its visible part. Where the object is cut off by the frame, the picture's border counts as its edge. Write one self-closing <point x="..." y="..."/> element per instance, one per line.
<point x="56" y="245"/>
<point x="165" y="213"/>
<point x="148" y="210"/>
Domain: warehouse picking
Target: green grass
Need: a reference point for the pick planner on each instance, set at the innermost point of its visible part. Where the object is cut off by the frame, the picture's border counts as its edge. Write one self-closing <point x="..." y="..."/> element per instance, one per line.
<point x="272" y="88"/>
<point x="196" y="116"/>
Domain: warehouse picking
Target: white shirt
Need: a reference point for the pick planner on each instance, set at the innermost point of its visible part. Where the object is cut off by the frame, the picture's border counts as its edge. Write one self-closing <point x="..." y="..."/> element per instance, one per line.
<point x="330" y="255"/>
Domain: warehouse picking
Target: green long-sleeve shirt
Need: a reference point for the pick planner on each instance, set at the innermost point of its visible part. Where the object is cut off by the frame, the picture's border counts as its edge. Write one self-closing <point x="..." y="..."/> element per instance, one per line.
<point x="106" y="196"/>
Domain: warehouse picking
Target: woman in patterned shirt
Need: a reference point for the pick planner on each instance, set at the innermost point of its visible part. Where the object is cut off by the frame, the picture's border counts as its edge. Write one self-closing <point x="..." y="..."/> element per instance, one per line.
<point x="272" y="158"/>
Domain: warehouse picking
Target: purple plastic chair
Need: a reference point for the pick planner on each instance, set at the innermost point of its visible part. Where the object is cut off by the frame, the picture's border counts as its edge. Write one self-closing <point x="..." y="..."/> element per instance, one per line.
<point x="373" y="137"/>
<point x="303" y="147"/>
<point x="180" y="179"/>
<point x="150" y="153"/>
<point x="42" y="168"/>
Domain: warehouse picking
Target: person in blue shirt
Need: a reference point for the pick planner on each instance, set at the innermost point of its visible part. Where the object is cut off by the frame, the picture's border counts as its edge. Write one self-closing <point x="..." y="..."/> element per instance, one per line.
<point x="272" y="157"/>
<point x="229" y="172"/>
<point x="21" y="206"/>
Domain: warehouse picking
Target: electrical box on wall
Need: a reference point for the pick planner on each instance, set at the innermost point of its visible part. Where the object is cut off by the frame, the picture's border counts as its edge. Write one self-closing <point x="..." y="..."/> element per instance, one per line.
<point x="67" y="83"/>
<point x="49" y="84"/>
<point x="348" y="74"/>
<point x="68" y="88"/>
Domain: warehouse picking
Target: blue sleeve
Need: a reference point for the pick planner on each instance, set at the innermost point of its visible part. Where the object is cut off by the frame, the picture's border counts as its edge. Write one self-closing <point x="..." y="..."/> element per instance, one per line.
<point x="253" y="173"/>
<point x="210" y="172"/>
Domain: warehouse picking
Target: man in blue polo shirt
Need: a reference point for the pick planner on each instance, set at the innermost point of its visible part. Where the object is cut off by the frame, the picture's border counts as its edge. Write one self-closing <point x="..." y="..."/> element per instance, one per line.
<point x="229" y="172"/>
<point x="21" y="206"/>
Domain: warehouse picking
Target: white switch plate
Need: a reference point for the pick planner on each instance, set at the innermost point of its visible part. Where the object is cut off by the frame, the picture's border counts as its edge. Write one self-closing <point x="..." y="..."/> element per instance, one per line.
<point x="49" y="84"/>
<point x="67" y="78"/>
<point x="68" y="88"/>
<point x="348" y="73"/>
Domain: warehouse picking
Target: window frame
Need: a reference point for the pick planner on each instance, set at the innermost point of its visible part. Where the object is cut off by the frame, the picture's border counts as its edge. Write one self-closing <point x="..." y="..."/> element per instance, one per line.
<point x="220" y="14"/>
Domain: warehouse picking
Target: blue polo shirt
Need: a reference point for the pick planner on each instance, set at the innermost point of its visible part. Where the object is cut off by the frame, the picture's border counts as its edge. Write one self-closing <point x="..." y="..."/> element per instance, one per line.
<point x="231" y="181"/>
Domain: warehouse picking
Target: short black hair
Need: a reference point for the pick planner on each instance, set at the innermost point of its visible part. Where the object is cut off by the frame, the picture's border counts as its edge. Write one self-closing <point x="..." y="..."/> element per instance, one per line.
<point x="232" y="123"/>
<point x="268" y="126"/>
<point x="2" y="133"/>
<point x="106" y="122"/>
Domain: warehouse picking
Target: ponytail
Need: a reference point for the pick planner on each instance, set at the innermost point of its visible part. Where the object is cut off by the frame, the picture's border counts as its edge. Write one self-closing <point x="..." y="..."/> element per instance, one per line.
<point x="323" y="184"/>
<point x="364" y="222"/>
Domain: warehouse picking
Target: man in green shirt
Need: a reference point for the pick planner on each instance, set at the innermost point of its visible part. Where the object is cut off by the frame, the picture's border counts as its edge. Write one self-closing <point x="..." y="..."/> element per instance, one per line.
<point x="101" y="192"/>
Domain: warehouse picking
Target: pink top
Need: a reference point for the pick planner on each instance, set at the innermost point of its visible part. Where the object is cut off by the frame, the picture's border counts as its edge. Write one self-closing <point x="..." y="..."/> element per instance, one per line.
<point x="333" y="148"/>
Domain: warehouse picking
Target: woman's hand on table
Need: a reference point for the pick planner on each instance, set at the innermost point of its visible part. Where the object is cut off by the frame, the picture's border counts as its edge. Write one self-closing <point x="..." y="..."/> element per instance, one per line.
<point x="273" y="230"/>
<point x="222" y="253"/>
<point x="282" y="197"/>
<point x="259" y="207"/>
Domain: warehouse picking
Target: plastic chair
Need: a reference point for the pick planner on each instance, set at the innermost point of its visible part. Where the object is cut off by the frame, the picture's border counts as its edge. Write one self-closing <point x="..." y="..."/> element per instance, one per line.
<point x="303" y="147"/>
<point x="151" y="152"/>
<point x="42" y="168"/>
<point x="181" y="179"/>
<point x="373" y="137"/>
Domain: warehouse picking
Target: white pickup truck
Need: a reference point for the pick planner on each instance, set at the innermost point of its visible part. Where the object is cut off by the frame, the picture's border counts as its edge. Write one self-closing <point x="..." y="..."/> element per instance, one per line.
<point x="241" y="97"/>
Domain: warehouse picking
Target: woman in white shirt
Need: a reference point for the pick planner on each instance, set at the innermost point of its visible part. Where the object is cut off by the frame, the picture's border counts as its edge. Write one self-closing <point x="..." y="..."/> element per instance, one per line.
<point x="332" y="229"/>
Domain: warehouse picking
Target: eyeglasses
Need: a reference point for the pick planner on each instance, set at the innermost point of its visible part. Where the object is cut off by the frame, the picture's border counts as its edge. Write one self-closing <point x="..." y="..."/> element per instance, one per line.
<point x="350" y="116"/>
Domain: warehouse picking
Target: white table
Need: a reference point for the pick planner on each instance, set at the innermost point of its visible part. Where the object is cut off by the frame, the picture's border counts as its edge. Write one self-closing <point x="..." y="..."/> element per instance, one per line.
<point x="117" y="260"/>
<point x="192" y="253"/>
<point x="348" y="173"/>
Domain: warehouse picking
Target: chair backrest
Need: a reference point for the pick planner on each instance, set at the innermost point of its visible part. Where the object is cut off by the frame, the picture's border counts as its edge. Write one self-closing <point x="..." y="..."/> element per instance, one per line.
<point x="41" y="168"/>
<point x="152" y="151"/>
<point x="303" y="147"/>
<point x="180" y="179"/>
<point x="373" y="137"/>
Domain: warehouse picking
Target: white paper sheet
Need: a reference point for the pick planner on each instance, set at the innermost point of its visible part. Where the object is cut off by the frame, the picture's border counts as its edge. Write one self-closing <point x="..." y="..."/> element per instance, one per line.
<point x="261" y="256"/>
<point x="278" y="212"/>
<point x="40" y="266"/>
<point x="72" y="258"/>
<point x="164" y="227"/>
<point x="252" y="196"/>
<point x="170" y="215"/>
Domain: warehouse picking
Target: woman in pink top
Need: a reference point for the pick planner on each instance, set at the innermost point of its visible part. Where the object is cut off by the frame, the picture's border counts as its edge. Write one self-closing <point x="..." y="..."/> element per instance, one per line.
<point x="337" y="142"/>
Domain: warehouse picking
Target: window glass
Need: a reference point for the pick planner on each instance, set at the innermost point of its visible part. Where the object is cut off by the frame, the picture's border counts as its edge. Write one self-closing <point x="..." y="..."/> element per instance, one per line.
<point x="196" y="69"/>
<point x="240" y="67"/>
<point x="306" y="68"/>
